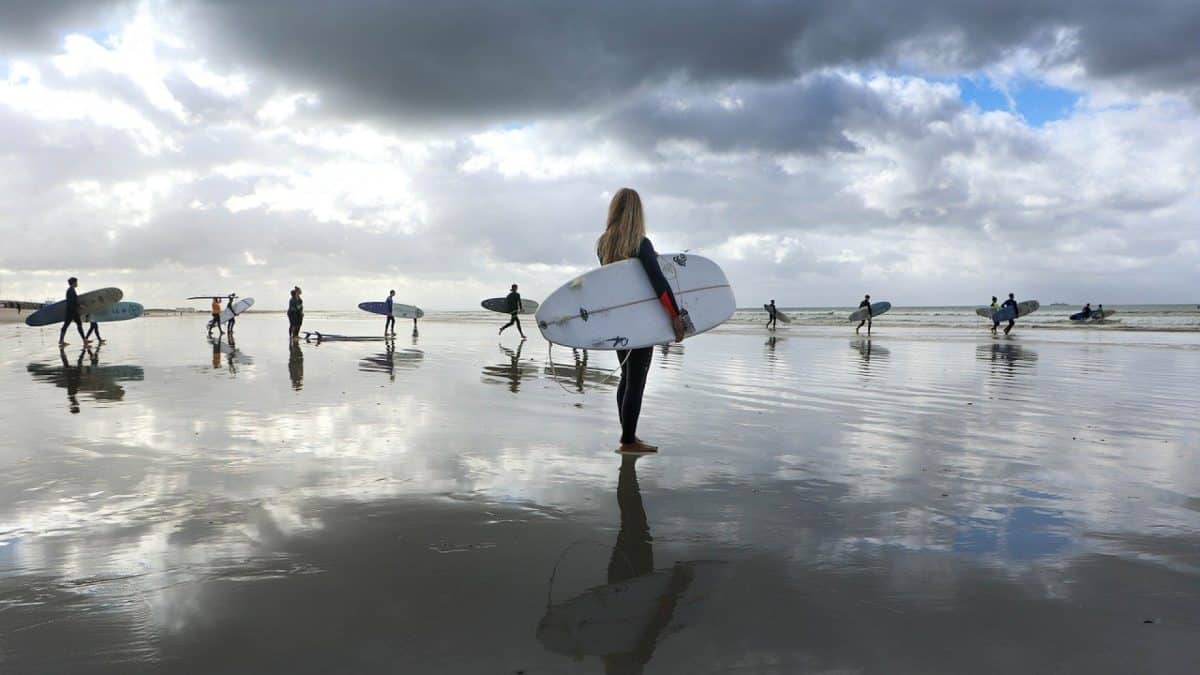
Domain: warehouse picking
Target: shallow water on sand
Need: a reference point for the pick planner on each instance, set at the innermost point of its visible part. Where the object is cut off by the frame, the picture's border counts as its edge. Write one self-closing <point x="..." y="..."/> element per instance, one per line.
<point x="915" y="503"/>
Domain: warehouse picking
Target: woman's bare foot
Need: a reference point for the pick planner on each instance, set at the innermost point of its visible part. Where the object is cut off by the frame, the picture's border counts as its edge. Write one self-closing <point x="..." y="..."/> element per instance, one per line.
<point x="636" y="448"/>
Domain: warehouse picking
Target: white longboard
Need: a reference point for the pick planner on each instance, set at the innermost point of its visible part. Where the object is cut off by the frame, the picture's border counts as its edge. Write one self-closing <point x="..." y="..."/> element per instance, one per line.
<point x="237" y="308"/>
<point x="614" y="306"/>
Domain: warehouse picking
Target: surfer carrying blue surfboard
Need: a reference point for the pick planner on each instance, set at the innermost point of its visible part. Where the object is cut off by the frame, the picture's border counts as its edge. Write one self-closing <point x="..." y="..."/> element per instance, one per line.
<point x="514" y="307"/>
<point x="867" y="304"/>
<point x="1012" y="321"/>
<point x="71" y="313"/>
<point x="389" y="326"/>
<point x="625" y="237"/>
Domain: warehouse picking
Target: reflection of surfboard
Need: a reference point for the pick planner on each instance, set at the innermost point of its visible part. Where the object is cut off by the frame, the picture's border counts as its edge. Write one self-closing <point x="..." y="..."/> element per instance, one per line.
<point x="317" y="336"/>
<point x="388" y="361"/>
<point x="399" y="311"/>
<point x="615" y="307"/>
<point x="92" y="301"/>
<point x="613" y="619"/>
<point x="780" y="315"/>
<point x="501" y="305"/>
<point x="1005" y="313"/>
<point x="237" y="309"/>
<point x="121" y="311"/>
<point x="877" y="308"/>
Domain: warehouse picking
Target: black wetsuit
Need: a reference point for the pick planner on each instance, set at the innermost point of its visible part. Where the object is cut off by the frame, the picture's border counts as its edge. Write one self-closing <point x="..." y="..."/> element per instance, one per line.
<point x="772" y="316"/>
<point x="1013" y="321"/>
<point x="865" y="303"/>
<point x="295" y="315"/>
<point x="390" y="324"/>
<point x="71" y="314"/>
<point x="635" y="363"/>
<point x="514" y="306"/>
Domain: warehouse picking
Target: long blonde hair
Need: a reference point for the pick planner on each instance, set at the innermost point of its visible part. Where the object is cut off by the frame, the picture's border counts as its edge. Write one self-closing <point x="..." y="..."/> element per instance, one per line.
<point x="625" y="230"/>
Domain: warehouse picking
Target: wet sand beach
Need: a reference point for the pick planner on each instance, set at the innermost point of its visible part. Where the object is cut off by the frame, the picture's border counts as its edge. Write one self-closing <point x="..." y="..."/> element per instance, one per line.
<point x="931" y="500"/>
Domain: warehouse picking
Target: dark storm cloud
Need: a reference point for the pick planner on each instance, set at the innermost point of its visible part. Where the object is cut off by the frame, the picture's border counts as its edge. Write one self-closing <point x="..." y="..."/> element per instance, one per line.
<point x="481" y="60"/>
<point x="37" y="25"/>
<point x="810" y="116"/>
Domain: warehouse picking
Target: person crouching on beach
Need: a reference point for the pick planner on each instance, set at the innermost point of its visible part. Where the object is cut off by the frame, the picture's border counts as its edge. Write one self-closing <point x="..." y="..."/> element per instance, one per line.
<point x="625" y="237"/>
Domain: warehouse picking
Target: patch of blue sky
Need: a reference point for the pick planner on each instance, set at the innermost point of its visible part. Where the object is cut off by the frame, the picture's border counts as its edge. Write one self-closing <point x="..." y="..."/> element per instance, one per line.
<point x="1036" y="102"/>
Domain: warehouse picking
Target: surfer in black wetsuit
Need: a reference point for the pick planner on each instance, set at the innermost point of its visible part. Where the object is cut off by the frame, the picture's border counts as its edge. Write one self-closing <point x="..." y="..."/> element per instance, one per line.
<point x="623" y="238"/>
<point x="865" y="303"/>
<point x="389" y="326"/>
<point x="772" y="316"/>
<point x="514" y="307"/>
<point x="1010" y="302"/>
<point x="295" y="314"/>
<point x="71" y="313"/>
<point x="1087" y="310"/>
<point x="232" y="317"/>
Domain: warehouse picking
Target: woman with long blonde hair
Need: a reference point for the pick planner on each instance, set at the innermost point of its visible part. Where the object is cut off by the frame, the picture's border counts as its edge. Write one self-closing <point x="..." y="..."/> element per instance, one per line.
<point x="625" y="237"/>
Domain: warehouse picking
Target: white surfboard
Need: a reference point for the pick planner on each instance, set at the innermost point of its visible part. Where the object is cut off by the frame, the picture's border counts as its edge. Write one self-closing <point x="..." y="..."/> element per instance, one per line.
<point x="237" y="308"/>
<point x="614" y="306"/>
<point x="877" y="308"/>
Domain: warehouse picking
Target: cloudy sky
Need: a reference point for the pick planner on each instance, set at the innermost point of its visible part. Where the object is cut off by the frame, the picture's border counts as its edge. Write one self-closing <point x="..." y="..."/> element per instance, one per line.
<point x="928" y="153"/>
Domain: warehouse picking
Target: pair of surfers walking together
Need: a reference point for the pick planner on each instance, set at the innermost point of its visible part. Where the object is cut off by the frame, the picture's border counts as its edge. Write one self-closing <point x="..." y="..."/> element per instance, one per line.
<point x="72" y="315"/>
<point x="216" y="316"/>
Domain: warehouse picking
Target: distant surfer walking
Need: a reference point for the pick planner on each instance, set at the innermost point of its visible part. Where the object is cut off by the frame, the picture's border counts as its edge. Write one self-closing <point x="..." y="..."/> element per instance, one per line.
<point x="71" y="313"/>
<point x="772" y="316"/>
<point x="216" y="317"/>
<point x="513" y="300"/>
<point x="1012" y="321"/>
<point x="389" y="326"/>
<point x="867" y="304"/>
<point x="625" y="237"/>
<point x="295" y="314"/>
<point x="232" y="317"/>
<point x="995" y="307"/>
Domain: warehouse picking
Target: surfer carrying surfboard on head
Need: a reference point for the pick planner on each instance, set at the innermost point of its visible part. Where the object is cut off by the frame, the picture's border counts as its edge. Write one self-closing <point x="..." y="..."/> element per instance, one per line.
<point x="772" y="316"/>
<point x="1012" y="321"/>
<point x="625" y="237"/>
<point x="71" y="313"/>
<point x="216" y="317"/>
<point x="514" y="307"/>
<point x="867" y="304"/>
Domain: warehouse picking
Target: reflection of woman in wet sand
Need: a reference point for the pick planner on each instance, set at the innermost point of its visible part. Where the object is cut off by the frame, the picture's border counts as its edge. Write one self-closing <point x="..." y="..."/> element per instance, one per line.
<point x="633" y="556"/>
<point x="296" y="365"/>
